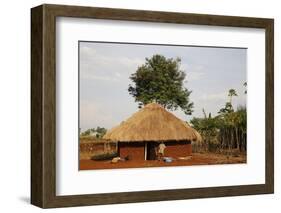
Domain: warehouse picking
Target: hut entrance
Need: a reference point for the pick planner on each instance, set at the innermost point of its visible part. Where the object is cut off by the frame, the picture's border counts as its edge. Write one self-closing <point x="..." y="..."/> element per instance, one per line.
<point x="151" y="151"/>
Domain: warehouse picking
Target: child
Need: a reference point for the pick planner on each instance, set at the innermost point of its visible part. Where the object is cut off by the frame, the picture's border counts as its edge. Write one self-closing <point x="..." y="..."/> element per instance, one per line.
<point x="161" y="149"/>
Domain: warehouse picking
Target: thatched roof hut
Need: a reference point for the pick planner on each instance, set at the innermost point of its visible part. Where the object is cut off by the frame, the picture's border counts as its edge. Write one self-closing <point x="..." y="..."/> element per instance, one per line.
<point x="152" y="123"/>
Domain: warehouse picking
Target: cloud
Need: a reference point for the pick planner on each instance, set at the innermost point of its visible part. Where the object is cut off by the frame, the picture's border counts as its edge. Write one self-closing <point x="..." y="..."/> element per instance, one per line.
<point x="87" y="51"/>
<point x="213" y="97"/>
<point x="193" y="76"/>
<point x="193" y="72"/>
<point x="94" y="114"/>
<point x="103" y="78"/>
<point x="96" y="66"/>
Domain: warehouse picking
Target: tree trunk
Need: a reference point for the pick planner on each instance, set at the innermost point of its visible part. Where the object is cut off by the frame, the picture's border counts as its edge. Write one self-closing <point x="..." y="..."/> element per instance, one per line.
<point x="237" y="138"/>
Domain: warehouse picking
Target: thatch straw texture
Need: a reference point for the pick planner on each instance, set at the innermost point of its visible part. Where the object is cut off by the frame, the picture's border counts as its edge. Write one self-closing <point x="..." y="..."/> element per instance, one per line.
<point x="152" y="123"/>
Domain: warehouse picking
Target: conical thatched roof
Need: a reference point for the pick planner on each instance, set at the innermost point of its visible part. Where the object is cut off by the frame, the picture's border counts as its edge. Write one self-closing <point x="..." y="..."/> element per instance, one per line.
<point x="152" y="123"/>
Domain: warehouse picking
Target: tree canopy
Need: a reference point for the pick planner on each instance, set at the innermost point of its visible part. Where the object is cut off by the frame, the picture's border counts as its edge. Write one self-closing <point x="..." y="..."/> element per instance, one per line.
<point x="160" y="80"/>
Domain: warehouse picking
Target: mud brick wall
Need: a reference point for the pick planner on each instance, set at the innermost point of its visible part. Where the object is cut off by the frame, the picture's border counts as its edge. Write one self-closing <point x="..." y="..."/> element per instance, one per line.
<point x="91" y="147"/>
<point x="178" y="149"/>
<point x="95" y="147"/>
<point x="135" y="151"/>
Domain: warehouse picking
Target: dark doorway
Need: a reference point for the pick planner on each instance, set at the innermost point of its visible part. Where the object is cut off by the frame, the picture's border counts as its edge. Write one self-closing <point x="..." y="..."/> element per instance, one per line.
<point x="151" y="151"/>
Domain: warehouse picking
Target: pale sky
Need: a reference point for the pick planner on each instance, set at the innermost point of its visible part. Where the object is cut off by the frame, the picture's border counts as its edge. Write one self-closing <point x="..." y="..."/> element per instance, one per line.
<point x="105" y="69"/>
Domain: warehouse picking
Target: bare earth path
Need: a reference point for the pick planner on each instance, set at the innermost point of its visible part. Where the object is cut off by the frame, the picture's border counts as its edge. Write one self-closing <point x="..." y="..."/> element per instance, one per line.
<point x="197" y="159"/>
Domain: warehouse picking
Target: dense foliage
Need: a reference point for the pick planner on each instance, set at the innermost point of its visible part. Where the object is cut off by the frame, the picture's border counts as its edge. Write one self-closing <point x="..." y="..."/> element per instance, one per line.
<point x="227" y="130"/>
<point x="160" y="80"/>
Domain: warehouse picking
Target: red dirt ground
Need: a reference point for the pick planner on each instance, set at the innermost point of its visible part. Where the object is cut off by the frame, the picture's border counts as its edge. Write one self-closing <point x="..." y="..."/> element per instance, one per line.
<point x="197" y="159"/>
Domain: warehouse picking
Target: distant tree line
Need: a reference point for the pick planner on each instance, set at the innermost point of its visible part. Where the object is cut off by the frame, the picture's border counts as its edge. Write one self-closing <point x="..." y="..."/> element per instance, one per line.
<point x="227" y="130"/>
<point x="98" y="132"/>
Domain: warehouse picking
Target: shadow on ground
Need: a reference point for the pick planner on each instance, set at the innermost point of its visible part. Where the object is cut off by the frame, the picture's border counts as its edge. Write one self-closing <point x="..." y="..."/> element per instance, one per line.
<point x="24" y="199"/>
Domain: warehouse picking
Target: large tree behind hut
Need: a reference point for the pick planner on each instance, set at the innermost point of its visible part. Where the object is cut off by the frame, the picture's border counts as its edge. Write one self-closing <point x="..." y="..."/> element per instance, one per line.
<point x="161" y="80"/>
